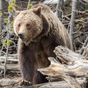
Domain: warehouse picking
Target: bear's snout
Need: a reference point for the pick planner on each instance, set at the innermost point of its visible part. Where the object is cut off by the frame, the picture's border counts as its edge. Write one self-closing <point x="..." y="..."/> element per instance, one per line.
<point x="21" y="35"/>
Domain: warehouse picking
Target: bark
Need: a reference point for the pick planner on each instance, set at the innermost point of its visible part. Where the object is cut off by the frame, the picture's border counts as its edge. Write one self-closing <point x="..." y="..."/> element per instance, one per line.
<point x="74" y="4"/>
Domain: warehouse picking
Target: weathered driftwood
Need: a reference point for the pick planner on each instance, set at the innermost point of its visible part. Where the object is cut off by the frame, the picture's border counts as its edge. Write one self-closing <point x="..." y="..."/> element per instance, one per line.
<point x="13" y="59"/>
<point x="75" y="66"/>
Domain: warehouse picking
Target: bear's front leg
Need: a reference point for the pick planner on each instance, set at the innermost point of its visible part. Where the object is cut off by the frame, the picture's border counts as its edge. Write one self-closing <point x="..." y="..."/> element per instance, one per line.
<point x="26" y="68"/>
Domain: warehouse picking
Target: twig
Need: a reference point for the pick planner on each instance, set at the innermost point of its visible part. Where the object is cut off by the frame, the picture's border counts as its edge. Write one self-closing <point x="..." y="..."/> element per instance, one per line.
<point x="0" y="16"/>
<point x="84" y="44"/>
<point x="28" y="4"/>
<point x="84" y="53"/>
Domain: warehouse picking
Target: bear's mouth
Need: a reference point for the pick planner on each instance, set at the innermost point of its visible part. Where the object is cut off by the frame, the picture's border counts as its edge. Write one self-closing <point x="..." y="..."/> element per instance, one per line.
<point x="26" y="39"/>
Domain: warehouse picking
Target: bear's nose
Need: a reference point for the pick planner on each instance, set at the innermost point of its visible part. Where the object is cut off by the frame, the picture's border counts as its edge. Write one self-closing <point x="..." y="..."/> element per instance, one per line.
<point x="20" y="35"/>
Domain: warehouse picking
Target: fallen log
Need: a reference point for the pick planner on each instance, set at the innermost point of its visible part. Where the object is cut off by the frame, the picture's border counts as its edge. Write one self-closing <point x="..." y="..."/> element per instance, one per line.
<point x="10" y="67"/>
<point x="58" y="84"/>
<point x="74" y="66"/>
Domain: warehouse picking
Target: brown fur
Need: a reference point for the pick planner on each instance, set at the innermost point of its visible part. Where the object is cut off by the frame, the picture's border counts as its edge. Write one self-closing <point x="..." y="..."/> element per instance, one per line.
<point x="43" y="35"/>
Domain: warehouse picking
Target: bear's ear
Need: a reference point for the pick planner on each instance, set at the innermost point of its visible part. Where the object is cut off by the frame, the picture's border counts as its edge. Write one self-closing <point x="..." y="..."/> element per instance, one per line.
<point x="37" y="10"/>
<point x="17" y="12"/>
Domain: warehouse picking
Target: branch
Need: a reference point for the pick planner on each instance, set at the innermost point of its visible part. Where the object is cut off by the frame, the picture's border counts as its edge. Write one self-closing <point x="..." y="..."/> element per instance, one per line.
<point x="59" y="9"/>
<point x="85" y="43"/>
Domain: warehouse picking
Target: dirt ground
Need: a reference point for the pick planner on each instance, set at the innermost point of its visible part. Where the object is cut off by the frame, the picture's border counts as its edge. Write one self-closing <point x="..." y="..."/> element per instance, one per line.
<point x="10" y="80"/>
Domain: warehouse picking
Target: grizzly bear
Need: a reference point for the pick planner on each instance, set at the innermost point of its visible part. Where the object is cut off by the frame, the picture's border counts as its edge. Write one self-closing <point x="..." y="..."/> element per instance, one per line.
<point x="39" y="31"/>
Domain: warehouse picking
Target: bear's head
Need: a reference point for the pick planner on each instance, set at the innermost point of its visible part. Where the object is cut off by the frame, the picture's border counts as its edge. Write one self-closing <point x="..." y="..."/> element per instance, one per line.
<point x="29" y="24"/>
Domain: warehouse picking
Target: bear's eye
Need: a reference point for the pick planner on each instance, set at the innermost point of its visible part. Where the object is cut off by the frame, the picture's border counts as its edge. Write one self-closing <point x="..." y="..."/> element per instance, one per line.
<point x="18" y="25"/>
<point x="27" y="25"/>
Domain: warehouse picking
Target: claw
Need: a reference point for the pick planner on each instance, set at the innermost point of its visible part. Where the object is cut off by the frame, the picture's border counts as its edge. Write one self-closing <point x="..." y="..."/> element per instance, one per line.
<point x="25" y="82"/>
